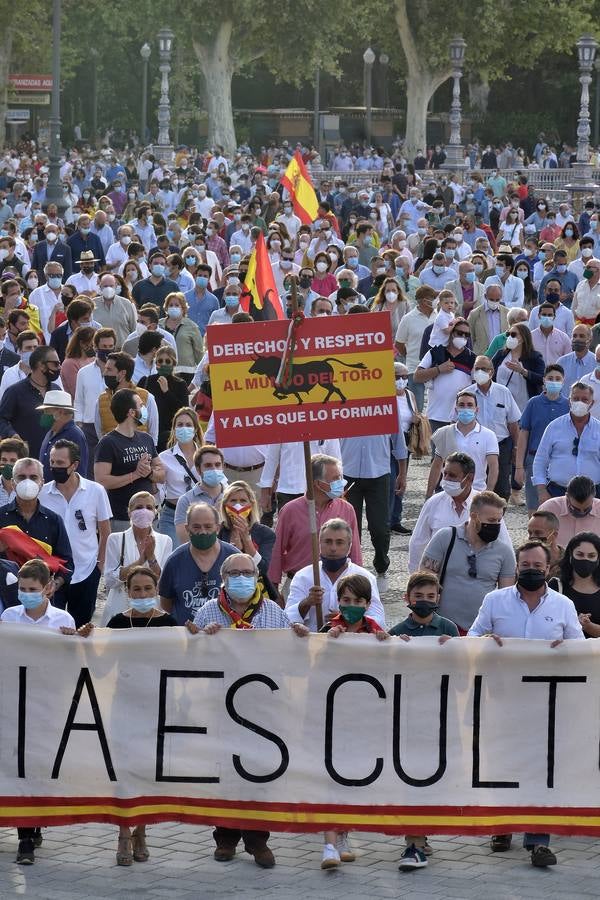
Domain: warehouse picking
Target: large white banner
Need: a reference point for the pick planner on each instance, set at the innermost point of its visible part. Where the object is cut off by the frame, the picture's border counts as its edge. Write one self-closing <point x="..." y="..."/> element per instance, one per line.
<point x="265" y="729"/>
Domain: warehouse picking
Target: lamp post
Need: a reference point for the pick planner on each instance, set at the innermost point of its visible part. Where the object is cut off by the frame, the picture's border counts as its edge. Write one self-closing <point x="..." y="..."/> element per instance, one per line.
<point x="145" y="52"/>
<point x="368" y="59"/>
<point x="384" y="61"/>
<point x="582" y="181"/>
<point x="455" y="155"/>
<point x="164" y="148"/>
<point x="54" y="192"/>
<point x="94" y="55"/>
<point x="316" y="109"/>
<point x="597" y="104"/>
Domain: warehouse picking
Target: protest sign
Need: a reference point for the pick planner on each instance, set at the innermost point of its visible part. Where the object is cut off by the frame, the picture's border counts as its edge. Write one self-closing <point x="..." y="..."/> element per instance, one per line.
<point x="342" y="380"/>
<point x="263" y="729"/>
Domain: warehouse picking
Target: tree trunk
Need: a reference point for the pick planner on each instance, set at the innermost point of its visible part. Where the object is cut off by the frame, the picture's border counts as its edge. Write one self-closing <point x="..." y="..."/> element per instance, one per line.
<point x="5" y="54"/>
<point x="217" y="67"/>
<point x="479" y="94"/>
<point x="419" y="91"/>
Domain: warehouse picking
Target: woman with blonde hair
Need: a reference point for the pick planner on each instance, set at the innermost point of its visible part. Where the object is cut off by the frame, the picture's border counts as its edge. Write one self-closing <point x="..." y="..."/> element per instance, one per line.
<point x="188" y="339"/>
<point x="242" y="528"/>
<point x="390" y="298"/>
<point x="180" y="471"/>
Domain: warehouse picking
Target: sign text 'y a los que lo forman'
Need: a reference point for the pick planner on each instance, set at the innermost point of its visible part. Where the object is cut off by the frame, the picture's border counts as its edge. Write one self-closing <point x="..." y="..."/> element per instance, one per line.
<point x="342" y="380"/>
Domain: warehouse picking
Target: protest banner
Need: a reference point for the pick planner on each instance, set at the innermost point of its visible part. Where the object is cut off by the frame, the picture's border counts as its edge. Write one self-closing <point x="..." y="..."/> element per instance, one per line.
<point x="341" y="380"/>
<point x="259" y="729"/>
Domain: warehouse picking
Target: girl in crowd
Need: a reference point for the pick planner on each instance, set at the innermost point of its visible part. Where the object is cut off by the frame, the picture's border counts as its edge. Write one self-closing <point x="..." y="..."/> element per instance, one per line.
<point x="178" y="459"/>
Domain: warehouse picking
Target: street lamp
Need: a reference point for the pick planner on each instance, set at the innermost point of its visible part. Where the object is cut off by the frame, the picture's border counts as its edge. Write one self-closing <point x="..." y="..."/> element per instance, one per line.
<point x="597" y="104"/>
<point x="94" y="55"/>
<point x="455" y="156"/>
<point x="368" y="59"/>
<point x="164" y="147"/>
<point x="145" y="52"/>
<point x="582" y="181"/>
<point x="384" y="61"/>
<point x="54" y="192"/>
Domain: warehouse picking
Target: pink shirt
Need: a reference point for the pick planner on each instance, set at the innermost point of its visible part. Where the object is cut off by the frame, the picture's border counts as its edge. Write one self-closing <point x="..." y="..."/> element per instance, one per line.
<point x="292" y="550"/>
<point x="552" y="345"/>
<point x="570" y="526"/>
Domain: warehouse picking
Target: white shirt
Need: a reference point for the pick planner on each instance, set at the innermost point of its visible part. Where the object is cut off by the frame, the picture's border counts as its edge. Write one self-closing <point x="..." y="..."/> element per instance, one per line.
<point x="563" y="320"/>
<point x="442" y="390"/>
<point x="82" y="283"/>
<point x="410" y="333"/>
<point x="45" y="299"/>
<point x="124" y="542"/>
<point x="590" y="379"/>
<point x="513" y="291"/>
<point x="116" y="254"/>
<point x="11" y="376"/>
<point x="53" y="618"/>
<point x="505" y="613"/>
<point x="586" y="300"/>
<point x="236" y="457"/>
<point x="175" y="475"/>
<point x="497" y="408"/>
<point x="92" y="501"/>
<point x="291" y="222"/>
<point x="478" y="443"/>
<point x="142" y="370"/>
<point x="89" y="385"/>
<point x="289" y="458"/>
<point x="302" y="582"/>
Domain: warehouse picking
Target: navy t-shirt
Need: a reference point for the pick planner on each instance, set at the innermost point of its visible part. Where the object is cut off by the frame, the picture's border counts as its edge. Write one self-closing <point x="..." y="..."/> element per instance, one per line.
<point x="188" y="586"/>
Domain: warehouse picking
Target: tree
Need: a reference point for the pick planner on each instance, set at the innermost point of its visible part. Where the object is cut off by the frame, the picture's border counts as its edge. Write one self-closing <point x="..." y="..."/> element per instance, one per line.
<point x="24" y="27"/>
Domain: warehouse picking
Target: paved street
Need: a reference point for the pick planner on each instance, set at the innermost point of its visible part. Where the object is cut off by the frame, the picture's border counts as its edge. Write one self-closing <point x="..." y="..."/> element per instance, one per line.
<point x="79" y="861"/>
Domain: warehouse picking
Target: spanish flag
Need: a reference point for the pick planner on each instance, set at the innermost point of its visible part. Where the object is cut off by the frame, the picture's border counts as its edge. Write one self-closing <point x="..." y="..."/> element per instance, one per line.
<point x="259" y="293"/>
<point x="302" y="193"/>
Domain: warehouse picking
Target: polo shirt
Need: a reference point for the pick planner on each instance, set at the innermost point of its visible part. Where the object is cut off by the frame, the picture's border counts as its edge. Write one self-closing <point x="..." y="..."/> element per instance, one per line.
<point x="442" y="390"/>
<point x="186" y="585"/>
<point x="478" y="443"/>
<point x="200" y="309"/>
<point x="555" y="460"/>
<point x="195" y="495"/>
<point x="145" y="291"/>
<point x="505" y="613"/>
<point x="410" y="332"/>
<point x="45" y="526"/>
<point x="537" y="415"/>
<point x="497" y="408"/>
<point x="54" y="618"/>
<point x="19" y="414"/>
<point x="438" y="626"/>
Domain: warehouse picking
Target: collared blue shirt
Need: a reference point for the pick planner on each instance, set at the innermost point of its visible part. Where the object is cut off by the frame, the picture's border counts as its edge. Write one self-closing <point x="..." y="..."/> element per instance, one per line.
<point x="575" y="368"/>
<point x="200" y="309"/>
<point x="538" y="414"/>
<point x="69" y="432"/>
<point x="369" y="457"/>
<point x="556" y="460"/>
<point x="568" y="281"/>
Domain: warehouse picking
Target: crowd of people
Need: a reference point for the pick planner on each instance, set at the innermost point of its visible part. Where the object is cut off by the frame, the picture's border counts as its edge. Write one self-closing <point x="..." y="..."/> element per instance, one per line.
<point x="108" y="455"/>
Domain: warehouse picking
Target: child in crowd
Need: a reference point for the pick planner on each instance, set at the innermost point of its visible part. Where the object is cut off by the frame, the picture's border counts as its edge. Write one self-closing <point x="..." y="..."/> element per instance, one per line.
<point x="444" y="321"/>
<point x="354" y="599"/>
<point x="422" y="598"/>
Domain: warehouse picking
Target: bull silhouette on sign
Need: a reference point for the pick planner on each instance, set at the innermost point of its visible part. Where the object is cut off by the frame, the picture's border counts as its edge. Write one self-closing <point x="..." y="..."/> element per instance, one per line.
<point x="304" y="376"/>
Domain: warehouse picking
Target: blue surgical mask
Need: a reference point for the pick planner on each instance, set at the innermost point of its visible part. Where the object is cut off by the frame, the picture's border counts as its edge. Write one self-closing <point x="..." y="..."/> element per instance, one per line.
<point x="54" y="281"/>
<point x="85" y="231"/>
<point x="231" y="300"/>
<point x="240" y="587"/>
<point x="235" y="258"/>
<point x="438" y="270"/>
<point x="470" y="277"/>
<point x="143" y="605"/>
<point x="547" y="321"/>
<point x="26" y="356"/>
<point x="465" y="416"/>
<point x="30" y="599"/>
<point x="336" y="488"/>
<point x="352" y="262"/>
<point x="500" y="270"/>
<point x="184" y="433"/>
<point x="171" y="235"/>
<point x="143" y="415"/>
<point x="158" y="270"/>
<point x="213" y="477"/>
<point x="561" y="269"/>
<point x="190" y="260"/>
<point x="553" y="387"/>
<point x="201" y="281"/>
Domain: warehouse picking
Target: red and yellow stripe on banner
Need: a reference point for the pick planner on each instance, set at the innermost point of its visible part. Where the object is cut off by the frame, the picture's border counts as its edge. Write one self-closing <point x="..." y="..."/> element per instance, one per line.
<point x="299" y="817"/>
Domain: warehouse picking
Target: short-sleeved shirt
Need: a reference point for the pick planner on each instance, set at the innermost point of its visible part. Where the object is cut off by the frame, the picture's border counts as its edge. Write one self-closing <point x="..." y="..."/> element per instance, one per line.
<point x="442" y="390"/>
<point x="145" y="291"/>
<point x="537" y="415"/>
<point x="478" y="443"/>
<point x="462" y="595"/>
<point x="186" y="585"/>
<point x="124" y="453"/>
<point x="438" y="626"/>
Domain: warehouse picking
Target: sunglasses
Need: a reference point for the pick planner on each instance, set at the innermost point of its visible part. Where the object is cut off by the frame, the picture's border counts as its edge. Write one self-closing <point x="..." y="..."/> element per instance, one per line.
<point x="462" y="334"/>
<point x="575" y="450"/>
<point x="80" y="520"/>
<point x="472" y="564"/>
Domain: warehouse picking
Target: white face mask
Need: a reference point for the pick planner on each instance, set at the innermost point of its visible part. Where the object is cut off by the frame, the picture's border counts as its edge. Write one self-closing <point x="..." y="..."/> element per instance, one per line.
<point x="27" y="489"/>
<point x="480" y="376"/>
<point x="459" y="342"/>
<point x="321" y="267"/>
<point x="108" y="292"/>
<point x="401" y="383"/>
<point x="391" y="296"/>
<point x="512" y="342"/>
<point x="578" y="408"/>
<point x="452" y="488"/>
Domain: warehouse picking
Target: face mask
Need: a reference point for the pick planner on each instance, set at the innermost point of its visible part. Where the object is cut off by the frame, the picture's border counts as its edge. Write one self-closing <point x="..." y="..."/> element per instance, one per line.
<point x="142" y="518"/>
<point x="108" y="293"/>
<point x="174" y="312"/>
<point x="7" y="472"/>
<point x="336" y="488"/>
<point x="333" y="565"/>
<point x="588" y="274"/>
<point x="32" y="283"/>
<point x="497" y="206"/>
<point x="111" y="382"/>
<point x="143" y="605"/>
<point x="27" y="489"/>
<point x="54" y="282"/>
<point x="512" y="342"/>
<point x="235" y="258"/>
<point x="481" y="376"/>
<point x="465" y="416"/>
<point x="368" y="240"/>
<point x="541" y="207"/>
<point x="547" y="321"/>
<point x="240" y="587"/>
<point x="391" y="296"/>
<point x="584" y="567"/>
<point x="102" y="355"/>
<point x="423" y="609"/>
<point x="401" y="383"/>
<point x="201" y="281"/>
<point x="531" y="579"/>
<point x="321" y="267"/>
<point x="569" y="232"/>
<point x="239" y="509"/>
<point x="586" y="252"/>
<point x="158" y="270"/>
<point x="142" y="416"/>
<point x="164" y="370"/>
<point x="190" y="260"/>
<point x="500" y="270"/>
<point x="459" y="342"/>
<point x="522" y="273"/>
<point x="579" y="408"/>
<point x="578" y="345"/>
<point x="203" y="541"/>
<point x="478" y="268"/>
<point x="85" y="231"/>
<point x="51" y="237"/>
<point x="488" y="532"/>
<point x="452" y="488"/>
<point x="438" y="270"/>
<point x="421" y="231"/>
<point x="213" y="477"/>
<point x="470" y="277"/>
<point x="352" y="614"/>
<point x="60" y="474"/>
<point x="30" y="599"/>
<point x="449" y="254"/>
<point x="553" y="387"/>
<point x="494" y="305"/>
<point x="26" y="356"/>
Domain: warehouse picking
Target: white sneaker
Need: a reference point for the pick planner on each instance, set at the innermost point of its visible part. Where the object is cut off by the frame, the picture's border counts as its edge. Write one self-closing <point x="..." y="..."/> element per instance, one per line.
<point x="383" y="584"/>
<point x="331" y="858"/>
<point x="344" y="849"/>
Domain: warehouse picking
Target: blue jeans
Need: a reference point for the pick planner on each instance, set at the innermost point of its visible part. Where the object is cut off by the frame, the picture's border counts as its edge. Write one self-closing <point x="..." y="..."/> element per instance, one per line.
<point x="419" y="392"/>
<point x="395" y="499"/>
<point x="166" y="524"/>
<point x="531" y="494"/>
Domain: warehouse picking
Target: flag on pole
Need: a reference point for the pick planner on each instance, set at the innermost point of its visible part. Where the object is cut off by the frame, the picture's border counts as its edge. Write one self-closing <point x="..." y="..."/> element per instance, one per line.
<point x="302" y="193"/>
<point x="259" y="293"/>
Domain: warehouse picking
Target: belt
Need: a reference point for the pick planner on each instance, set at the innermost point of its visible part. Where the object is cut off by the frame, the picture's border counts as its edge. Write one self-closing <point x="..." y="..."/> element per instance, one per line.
<point x="245" y="468"/>
<point x="172" y="504"/>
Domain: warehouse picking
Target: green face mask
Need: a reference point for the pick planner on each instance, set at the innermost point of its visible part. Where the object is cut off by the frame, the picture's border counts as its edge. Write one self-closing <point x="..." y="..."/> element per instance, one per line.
<point x="46" y="420"/>
<point x="352" y="614"/>
<point x="588" y="273"/>
<point x="165" y="370"/>
<point x="7" y="472"/>
<point x="345" y="283"/>
<point x="203" y="541"/>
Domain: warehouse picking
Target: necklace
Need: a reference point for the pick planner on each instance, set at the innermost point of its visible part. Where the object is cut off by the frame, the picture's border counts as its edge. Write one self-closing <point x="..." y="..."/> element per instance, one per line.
<point x="147" y="620"/>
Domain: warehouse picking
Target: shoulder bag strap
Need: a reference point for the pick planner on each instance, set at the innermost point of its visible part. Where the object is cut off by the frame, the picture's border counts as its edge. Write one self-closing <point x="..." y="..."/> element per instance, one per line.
<point x="122" y="557"/>
<point x="183" y="463"/>
<point x="442" y="574"/>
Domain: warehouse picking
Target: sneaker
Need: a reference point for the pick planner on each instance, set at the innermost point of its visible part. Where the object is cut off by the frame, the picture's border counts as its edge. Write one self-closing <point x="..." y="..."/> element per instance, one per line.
<point x="427" y="849"/>
<point x="400" y="529"/>
<point x="38" y="838"/>
<point x="25" y="853"/>
<point x="542" y="857"/>
<point x="500" y="843"/>
<point x="412" y="858"/>
<point x="343" y="847"/>
<point x="331" y="858"/>
<point x="383" y="584"/>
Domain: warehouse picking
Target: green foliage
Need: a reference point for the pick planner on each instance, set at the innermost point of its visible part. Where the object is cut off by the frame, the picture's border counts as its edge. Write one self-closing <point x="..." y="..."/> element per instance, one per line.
<point x="522" y="128"/>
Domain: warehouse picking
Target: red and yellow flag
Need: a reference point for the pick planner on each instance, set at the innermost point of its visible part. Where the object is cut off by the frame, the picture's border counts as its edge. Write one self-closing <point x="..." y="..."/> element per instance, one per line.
<point x="259" y="293"/>
<point x="302" y="193"/>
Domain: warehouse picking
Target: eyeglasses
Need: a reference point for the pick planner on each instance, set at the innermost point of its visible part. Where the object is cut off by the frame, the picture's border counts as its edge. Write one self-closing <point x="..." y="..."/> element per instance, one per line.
<point x="472" y="564"/>
<point x="235" y="574"/>
<point x="514" y="334"/>
<point x="80" y="520"/>
<point x="575" y="450"/>
<point x="462" y="334"/>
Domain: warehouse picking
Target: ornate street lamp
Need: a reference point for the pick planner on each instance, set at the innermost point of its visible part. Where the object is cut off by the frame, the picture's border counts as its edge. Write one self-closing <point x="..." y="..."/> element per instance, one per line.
<point x="145" y="52"/>
<point x="368" y="59"/>
<point x="455" y="156"/>
<point x="582" y="182"/>
<point x="164" y="148"/>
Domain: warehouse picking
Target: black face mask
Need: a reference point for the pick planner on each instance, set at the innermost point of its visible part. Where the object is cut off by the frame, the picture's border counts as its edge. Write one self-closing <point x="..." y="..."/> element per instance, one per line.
<point x="102" y="355"/>
<point x="488" y="532"/>
<point x="531" y="579"/>
<point x="52" y="373"/>
<point x="423" y="609"/>
<point x="60" y="474"/>
<point x="333" y="565"/>
<point x="304" y="281"/>
<point x="578" y="346"/>
<point x="111" y="382"/>
<point x="552" y="297"/>
<point x="584" y="567"/>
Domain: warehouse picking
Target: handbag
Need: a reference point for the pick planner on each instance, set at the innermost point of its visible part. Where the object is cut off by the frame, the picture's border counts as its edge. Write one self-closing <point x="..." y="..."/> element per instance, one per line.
<point x="419" y="436"/>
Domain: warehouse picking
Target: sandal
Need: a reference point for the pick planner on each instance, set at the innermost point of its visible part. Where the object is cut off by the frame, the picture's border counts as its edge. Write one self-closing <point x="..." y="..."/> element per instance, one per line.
<point x="140" y="850"/>
<point x="124" y="851"/>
